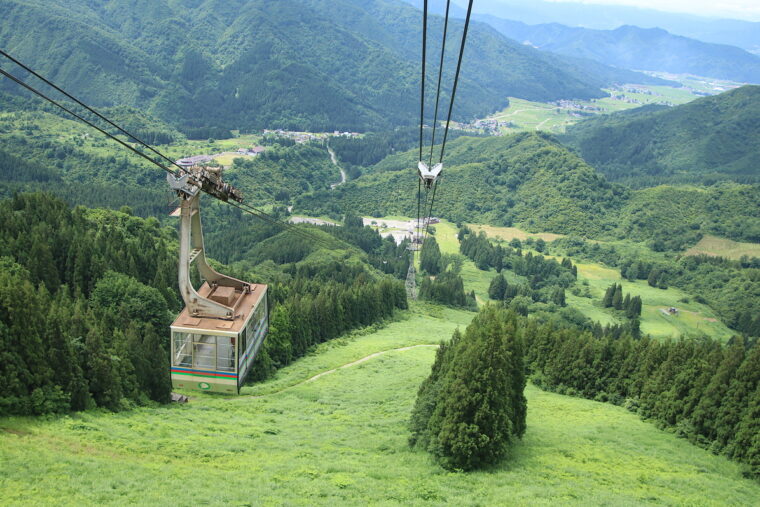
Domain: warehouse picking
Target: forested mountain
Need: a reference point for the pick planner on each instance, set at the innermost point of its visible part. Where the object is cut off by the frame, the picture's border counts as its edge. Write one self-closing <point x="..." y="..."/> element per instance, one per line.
<point x="308" y="64"/>
<point x="531" y="180"/>
<point x="631" y="47"/>
<point x="526" y="178"/>
<point x="709" y="139"/>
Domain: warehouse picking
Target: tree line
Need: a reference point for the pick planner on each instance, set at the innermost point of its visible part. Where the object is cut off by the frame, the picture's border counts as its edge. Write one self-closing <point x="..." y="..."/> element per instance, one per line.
<point x="613" y="298"/>
<point x="87" y="297"/>
<point x="700" y="389"/>
<point x="441" y="281"/>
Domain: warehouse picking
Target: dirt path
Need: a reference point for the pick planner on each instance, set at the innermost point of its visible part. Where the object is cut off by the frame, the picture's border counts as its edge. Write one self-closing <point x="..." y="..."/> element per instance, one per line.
<point x="538" y="127"/>
<point x="328" y="372"/>
<point x="342" y="172"/>
<point x="359" y="361"/>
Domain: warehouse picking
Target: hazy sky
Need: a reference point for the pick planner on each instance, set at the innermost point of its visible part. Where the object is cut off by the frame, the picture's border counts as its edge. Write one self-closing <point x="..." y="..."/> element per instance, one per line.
<point x="748" y="10"/>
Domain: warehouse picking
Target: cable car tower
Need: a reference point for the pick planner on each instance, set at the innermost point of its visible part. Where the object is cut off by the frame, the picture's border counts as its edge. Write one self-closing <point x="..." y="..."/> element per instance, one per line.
<point x="219" y="332"/>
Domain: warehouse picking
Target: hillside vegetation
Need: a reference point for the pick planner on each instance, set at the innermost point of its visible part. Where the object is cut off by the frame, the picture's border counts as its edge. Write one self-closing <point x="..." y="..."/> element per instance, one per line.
<point x="312" y="64"/>
<point x="531" y="180"/>
<point x="40" y="150"/>
<point x="707" y="140"/>
<point x="516" y="179"/>
<point x="341" y="438"/>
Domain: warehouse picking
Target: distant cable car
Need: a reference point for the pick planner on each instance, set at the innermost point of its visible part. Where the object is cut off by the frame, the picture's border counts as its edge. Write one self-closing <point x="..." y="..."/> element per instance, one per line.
<point x="218" y="334"/>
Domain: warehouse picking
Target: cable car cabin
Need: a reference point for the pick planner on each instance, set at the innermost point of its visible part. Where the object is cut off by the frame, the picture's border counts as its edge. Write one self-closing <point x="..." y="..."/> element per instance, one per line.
<point x="216" y="355"/>
<point x="216" y="337"/>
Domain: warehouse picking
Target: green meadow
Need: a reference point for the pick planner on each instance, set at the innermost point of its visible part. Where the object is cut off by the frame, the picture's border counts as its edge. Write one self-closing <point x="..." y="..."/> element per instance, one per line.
<point x="528" y="115"/>
<point x="331" y="429"/>
<point x="692" y="317"/>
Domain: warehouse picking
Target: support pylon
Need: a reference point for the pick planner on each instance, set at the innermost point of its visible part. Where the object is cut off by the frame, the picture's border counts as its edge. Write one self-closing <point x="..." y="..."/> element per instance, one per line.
<point x="411" y="281"/>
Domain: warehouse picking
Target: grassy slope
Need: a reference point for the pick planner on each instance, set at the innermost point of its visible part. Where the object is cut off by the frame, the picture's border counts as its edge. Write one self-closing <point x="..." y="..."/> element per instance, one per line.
<point x="342" y="439"/>
<point x="693" y="317"/>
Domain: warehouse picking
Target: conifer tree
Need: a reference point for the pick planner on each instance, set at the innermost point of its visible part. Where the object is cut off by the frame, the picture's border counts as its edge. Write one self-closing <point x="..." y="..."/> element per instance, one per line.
<point x="428" y="394"/>
<point x="558" y="296"/>
<point x="430" y="257"/>
<point x="498" y="287"/>
<point x="654" y="275"/>
<point x="607" y="300"/>
<point x="634" y="308"/>
<point x="617" y="298"/>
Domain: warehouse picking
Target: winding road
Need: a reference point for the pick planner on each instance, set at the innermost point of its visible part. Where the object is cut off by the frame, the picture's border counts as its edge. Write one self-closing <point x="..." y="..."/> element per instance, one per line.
<point x="342" y="172"/>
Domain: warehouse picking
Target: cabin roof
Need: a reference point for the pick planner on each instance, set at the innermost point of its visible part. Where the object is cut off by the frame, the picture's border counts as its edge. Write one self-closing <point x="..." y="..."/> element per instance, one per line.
<point x="242" y="312"/>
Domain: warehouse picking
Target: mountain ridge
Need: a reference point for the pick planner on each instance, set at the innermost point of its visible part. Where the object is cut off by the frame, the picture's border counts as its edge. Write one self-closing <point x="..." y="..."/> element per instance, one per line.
<point x="304" y="65"/>
<point x="532" y="181"/>
<point x="632" y="47"/>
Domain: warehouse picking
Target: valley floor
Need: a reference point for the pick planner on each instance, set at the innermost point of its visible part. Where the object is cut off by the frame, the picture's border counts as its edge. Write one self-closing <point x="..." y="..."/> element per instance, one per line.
<point x="340" y="438"/>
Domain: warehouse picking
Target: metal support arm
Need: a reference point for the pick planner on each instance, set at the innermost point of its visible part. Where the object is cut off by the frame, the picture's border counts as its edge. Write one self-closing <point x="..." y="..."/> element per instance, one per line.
<point x="191" y="249"/>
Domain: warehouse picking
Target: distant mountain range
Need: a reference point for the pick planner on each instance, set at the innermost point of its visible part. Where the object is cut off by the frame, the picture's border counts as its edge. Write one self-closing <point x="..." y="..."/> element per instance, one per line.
<point x="301" y="64"/>
<point x="636" y="48"/>
<point x="707" y="140"/>
<point x="740" y="33"/>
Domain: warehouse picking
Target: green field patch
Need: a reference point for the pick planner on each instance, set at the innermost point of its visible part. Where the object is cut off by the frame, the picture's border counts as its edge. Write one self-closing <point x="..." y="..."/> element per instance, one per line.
<point x="524" y="115"/>
<point x="693" y="318"/>
<point x="510" y="233"/>
<point x="723" y="247"/>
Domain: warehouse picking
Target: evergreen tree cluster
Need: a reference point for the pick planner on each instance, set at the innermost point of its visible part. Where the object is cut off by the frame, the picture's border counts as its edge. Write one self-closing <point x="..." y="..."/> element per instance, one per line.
<point x="85" y="300"/>
<point x="540" y="271"/>
<point x="430" y="256"/>
<point x="613" y="298"/>
<point x="472" y="408"/>
<point x="704" y="391"/>
<point x="480" y="250"/>
<point x="448" y="289"/>
<point x="155" y="137"/>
